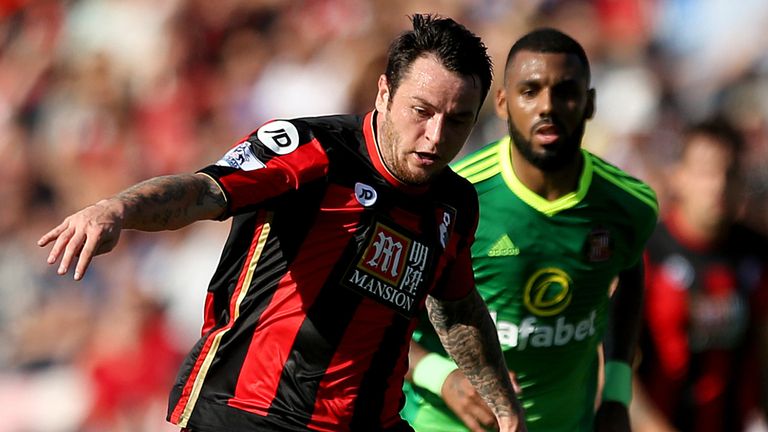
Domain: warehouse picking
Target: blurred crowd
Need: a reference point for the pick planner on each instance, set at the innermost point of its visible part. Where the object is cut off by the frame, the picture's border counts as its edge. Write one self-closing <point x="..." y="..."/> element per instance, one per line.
<point x="96" y="95"/>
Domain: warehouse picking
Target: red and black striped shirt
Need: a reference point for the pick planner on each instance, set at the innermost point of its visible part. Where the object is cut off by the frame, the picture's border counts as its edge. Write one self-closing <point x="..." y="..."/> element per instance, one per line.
<point x="705" y="308"/>
<point x="328" y="262"/>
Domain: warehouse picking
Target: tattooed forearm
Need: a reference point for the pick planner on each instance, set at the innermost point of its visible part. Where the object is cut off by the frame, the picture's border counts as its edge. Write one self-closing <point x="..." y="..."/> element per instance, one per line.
<point x="469" y="336"/>
<point x="171" y="202"/>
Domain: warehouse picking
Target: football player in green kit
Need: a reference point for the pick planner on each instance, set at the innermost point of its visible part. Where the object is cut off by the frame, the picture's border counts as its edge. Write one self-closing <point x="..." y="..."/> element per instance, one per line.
<point x="558" y="227"/>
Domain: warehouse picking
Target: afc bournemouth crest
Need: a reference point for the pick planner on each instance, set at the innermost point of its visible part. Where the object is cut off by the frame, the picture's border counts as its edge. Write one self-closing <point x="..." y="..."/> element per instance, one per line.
<point x="599" y="245"/>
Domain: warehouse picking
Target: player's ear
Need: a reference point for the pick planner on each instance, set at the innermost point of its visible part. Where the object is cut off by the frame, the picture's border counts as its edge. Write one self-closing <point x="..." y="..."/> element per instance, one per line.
<point x="501" y="103"/>
<point x="589" y="110"/>
<point x="382" y="94"/>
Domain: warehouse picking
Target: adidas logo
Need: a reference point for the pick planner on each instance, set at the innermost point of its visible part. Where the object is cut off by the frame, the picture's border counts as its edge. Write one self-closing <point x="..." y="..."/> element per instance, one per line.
<point x="503" y="247"/>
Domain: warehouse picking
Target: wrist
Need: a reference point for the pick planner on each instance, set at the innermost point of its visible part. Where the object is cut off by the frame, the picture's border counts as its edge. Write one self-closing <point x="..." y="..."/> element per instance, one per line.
<point x="114" y="204"/>
<point x="113" y="210"/>
<point x="431" y="371"/>
<point x="618" y="382"/>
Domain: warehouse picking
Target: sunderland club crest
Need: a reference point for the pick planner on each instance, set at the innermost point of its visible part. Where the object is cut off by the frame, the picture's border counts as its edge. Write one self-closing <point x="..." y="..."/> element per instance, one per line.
<point x="599" y="245"/>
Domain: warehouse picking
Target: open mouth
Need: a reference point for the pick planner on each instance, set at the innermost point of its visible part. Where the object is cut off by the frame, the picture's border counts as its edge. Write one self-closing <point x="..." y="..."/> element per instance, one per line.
<point x="547" y="134"/>
<point x="427" y="158"/>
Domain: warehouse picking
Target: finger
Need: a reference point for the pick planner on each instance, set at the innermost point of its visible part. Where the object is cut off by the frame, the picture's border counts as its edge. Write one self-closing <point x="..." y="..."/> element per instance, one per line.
<point x="515" y="384"/>
<point x="86" y="255"/>
<point x="53" y="234"/>
<point x="471" y="423"/>
<point x="483" y="415"/>
<point x="61" y="243"/>
<point x="73" y="248"/>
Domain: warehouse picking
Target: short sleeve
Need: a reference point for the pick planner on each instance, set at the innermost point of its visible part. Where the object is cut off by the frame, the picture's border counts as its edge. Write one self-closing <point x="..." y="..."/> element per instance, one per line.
<point x="278" y="157"/>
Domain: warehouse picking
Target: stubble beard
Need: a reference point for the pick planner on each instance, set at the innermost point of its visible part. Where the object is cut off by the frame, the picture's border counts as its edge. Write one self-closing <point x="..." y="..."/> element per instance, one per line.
<point x="389" y="140"/>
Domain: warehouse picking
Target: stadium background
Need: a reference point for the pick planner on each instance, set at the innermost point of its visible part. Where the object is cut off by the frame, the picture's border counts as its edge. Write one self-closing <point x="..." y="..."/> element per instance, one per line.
<point x="98" y="94"/>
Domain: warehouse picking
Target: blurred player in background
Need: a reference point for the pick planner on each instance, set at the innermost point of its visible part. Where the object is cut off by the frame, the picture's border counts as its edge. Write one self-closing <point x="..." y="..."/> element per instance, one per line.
<point x="558" y="226"/>
<point x="344" y="228"/>
<point x="704" y="364"/>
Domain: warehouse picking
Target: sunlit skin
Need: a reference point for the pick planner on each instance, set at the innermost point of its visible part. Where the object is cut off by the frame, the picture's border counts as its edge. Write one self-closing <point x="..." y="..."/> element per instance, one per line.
<point x="705" y="184"/>
<point x="424" y="124"/>
<point x="546" y="101"/>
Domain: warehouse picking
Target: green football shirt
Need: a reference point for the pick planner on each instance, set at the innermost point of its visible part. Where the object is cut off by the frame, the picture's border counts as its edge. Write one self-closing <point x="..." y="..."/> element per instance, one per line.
<point x="545" y="269"/>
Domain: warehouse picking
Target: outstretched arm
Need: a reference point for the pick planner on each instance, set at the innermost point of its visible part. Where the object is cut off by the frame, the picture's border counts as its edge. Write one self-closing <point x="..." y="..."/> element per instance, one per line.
<point x="160" y="203"/>
<point x="620" y="344"/>
<point x="467" y="332"/>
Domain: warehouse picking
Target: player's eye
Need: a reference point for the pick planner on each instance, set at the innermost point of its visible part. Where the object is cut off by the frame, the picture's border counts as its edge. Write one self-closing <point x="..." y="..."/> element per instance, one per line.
<point x="421" y="111"/>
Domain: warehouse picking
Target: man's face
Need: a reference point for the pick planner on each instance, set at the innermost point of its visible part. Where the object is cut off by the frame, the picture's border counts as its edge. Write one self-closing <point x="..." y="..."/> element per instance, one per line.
<point x="706" y="182"/>
<point x="546" y="101"/>
<point x="424" y="124"/>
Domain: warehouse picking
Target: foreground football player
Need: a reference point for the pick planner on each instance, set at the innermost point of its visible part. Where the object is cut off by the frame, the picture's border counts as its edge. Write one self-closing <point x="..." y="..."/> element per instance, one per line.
<point x="344" y="228"/>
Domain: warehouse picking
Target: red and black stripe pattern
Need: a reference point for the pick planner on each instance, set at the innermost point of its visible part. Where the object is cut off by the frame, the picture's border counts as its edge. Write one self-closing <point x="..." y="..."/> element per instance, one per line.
<point x="328" y="261"/>
<point x="706" y="304"/>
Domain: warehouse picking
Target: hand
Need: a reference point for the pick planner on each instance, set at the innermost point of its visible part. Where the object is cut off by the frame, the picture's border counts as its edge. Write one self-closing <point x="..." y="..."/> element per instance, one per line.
<point x="462" y="398"/>
<point x="513" y="424"/>
<point x="92" y="231"/>
<point x="612" y="417"/>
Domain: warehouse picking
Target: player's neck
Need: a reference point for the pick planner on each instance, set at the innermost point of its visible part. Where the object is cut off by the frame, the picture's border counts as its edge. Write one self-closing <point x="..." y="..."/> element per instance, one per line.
<point x="550" y="185"/>
<point x="696" y="232"/>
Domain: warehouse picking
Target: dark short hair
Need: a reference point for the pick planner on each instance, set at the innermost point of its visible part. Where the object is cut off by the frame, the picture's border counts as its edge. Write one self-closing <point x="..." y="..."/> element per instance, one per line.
<point x="456" y="48"/>
<point x="549" y="40"/>
<point x="717" y="127"/>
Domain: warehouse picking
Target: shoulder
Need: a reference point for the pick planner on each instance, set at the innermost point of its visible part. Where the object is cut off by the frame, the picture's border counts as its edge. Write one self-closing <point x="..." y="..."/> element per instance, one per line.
<point x="455" y="188"/>
<point x="457" y="193"/>
<point x="636" y="196"/>
<point x="337" y="122"/>
<point x="481" y="164"/>
<point x="302" y="130"/>
<point x="450" y="181"/>
<point x="310" y="137"/>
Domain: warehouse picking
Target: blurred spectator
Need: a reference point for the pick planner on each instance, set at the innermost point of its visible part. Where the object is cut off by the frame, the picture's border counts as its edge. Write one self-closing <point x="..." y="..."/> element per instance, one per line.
<point x="708" y="45"/>
<point x="96" y="94"/>
<point x="705" y="349"/>
<point x="311" y="56"/>
<point x="174" y="270"/>
<point x="130" y="360"/>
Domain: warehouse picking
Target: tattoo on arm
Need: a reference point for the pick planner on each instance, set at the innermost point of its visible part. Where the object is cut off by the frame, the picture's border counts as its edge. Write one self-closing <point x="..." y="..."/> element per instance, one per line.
<point x="171" y="202"/>
<point x="469" y="336"/>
